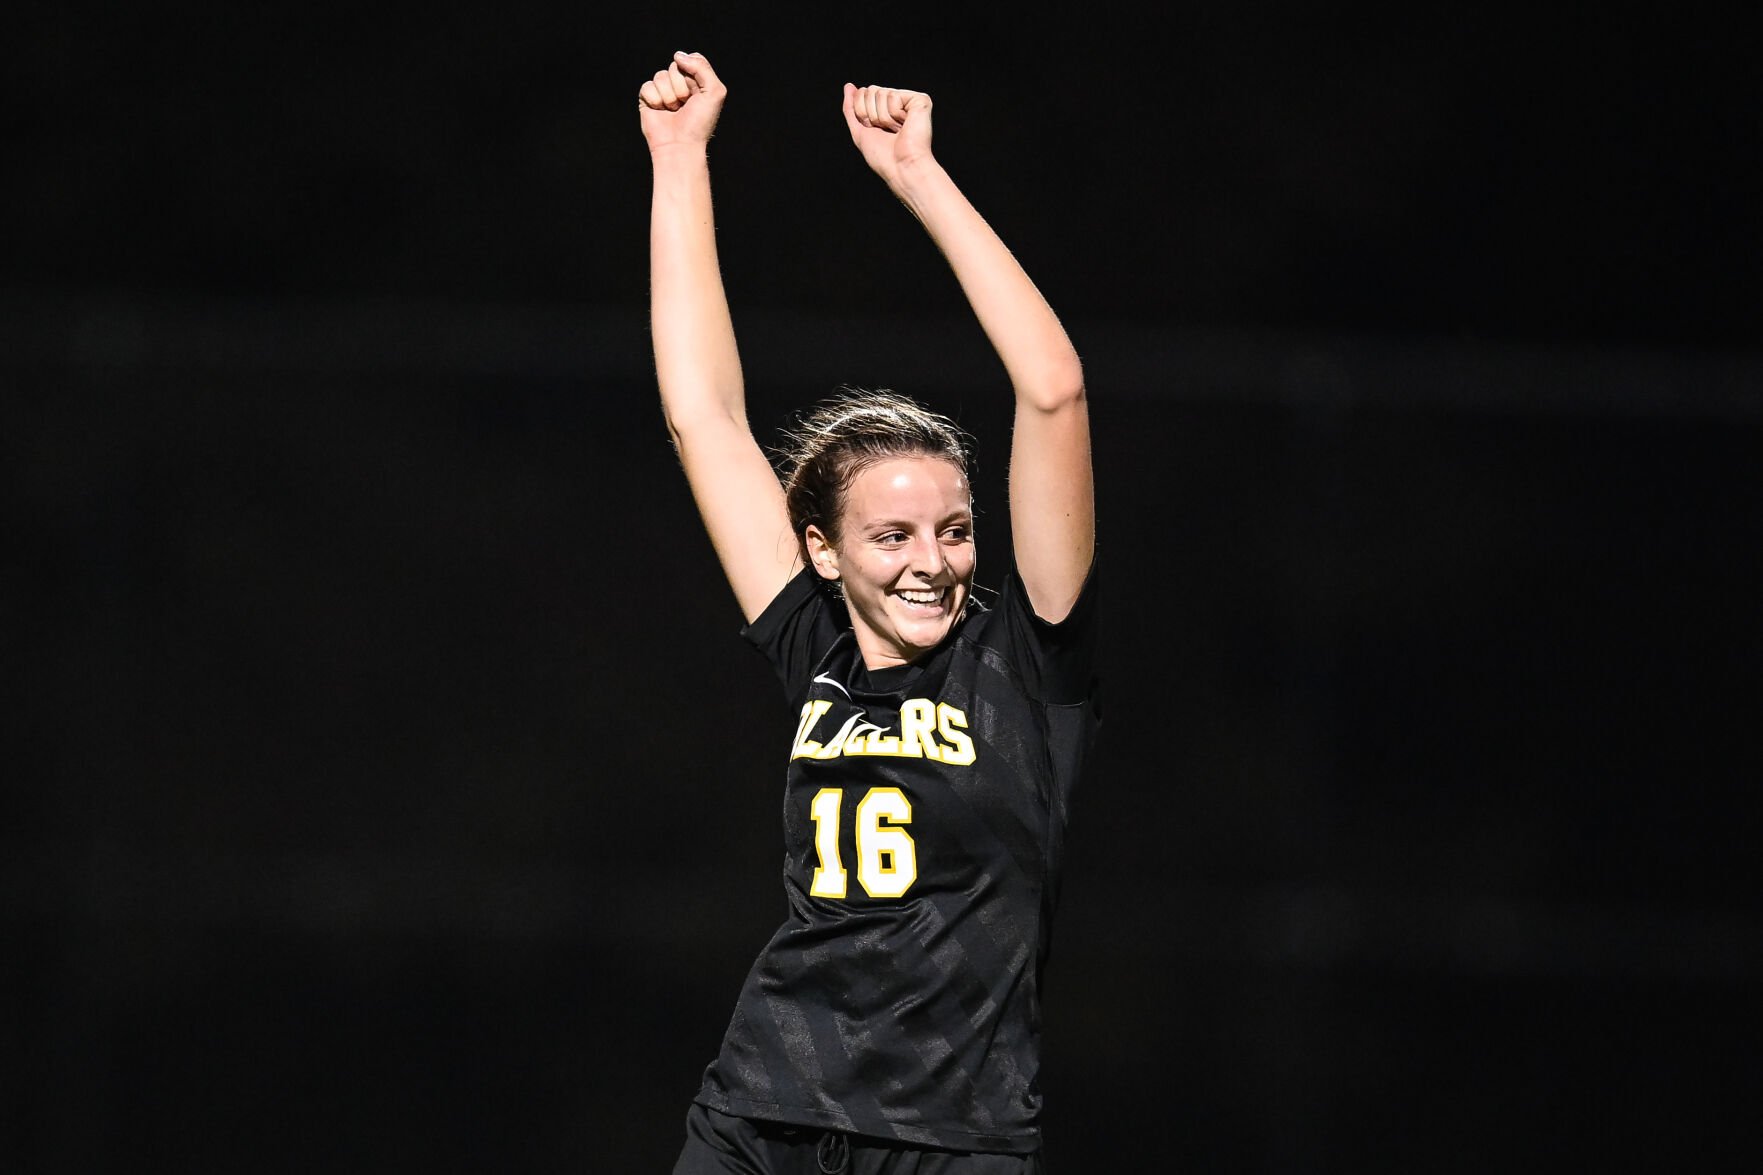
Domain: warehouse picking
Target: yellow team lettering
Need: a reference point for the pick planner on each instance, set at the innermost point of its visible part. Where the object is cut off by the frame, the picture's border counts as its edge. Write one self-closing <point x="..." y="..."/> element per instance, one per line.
<point x="810" y="715"/>
<point x="917" y="716"/>
<point x="887" y="856"/>
<point x="960" y="748"/>
<point x="928" y="730"/>
<point x="829" y="875"/>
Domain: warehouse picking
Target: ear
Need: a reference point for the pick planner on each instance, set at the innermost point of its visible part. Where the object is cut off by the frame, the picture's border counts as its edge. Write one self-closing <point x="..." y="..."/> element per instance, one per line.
<point x="821" y="554"/>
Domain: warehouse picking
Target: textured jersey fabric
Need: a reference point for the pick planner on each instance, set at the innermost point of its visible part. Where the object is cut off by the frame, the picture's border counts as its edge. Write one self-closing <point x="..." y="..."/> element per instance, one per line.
<point x="925" y="811"/>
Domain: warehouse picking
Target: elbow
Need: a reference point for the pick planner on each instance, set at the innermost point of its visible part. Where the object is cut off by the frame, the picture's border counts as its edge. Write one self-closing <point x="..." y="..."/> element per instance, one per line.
<point x="1060" y="388"/>
<point x="697" y="419"/>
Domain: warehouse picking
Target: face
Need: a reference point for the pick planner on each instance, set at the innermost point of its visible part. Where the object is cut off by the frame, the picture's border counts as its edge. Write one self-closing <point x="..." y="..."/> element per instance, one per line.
<point x="905" y="556"/>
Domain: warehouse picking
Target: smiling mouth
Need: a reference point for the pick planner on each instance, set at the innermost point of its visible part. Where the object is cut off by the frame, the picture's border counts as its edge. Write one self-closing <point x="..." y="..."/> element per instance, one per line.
<point x="926" y="598"/>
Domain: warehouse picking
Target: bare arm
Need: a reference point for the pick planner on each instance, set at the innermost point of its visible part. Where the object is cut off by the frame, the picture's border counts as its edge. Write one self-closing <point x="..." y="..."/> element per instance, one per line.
<point x="1052" y="494"/>
<point x="697" y="365"/>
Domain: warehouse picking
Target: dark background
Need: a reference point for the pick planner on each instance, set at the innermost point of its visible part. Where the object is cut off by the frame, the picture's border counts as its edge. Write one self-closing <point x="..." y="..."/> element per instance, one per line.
<point x="389" y="791"/>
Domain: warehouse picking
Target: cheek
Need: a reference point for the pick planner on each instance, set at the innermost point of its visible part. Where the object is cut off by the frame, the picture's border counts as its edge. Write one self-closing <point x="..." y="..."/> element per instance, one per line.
<point x="877" y="567"/>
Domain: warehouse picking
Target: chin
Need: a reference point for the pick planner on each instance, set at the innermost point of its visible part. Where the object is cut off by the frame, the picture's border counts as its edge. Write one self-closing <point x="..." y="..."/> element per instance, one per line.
<point x="922" y="636"/>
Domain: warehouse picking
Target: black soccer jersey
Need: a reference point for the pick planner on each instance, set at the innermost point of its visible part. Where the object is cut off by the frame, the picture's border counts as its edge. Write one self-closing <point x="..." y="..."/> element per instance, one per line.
<point x="924" y="819"/>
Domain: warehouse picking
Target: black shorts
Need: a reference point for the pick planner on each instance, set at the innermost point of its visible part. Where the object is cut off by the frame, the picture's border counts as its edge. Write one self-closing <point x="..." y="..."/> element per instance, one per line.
<point x="720" y="1144"/>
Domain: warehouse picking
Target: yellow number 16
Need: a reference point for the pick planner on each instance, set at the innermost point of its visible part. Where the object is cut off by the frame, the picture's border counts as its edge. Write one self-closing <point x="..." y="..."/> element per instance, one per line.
<point x="887" y="862"/>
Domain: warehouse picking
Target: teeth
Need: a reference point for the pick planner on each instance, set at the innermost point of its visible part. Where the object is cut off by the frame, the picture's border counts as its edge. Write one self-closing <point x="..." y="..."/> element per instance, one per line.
<point x="922" y="597"/>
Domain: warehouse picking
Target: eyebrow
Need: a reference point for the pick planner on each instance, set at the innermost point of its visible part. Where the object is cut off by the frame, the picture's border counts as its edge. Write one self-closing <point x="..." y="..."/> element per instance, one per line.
<point x="882" y="524"/>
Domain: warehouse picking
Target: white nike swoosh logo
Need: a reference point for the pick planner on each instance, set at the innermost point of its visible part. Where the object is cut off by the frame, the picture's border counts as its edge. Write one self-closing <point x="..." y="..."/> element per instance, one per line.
<point x="823" y="678"/>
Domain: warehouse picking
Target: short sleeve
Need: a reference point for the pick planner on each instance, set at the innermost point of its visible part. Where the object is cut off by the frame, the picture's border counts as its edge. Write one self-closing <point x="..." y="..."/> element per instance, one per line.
<point x="796" y="629"/>
<point x="1057" y="661"/>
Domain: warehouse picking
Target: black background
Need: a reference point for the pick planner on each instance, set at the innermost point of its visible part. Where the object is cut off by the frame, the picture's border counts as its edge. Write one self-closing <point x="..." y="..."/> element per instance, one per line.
<point x="389" y="789"/>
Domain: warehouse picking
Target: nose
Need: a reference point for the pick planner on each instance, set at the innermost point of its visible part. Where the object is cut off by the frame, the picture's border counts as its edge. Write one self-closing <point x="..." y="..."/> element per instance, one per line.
<point x="928" y="557"/>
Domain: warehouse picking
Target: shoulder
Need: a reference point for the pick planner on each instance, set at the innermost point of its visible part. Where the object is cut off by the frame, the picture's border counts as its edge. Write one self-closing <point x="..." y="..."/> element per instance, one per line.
<point x="1013" y="605"/>
<point x="1056" y="661"/>
<point x="796" y="629"/>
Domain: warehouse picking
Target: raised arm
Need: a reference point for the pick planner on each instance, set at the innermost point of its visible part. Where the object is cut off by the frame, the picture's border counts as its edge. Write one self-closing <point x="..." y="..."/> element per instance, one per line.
<point x="1052" y="492"/>
<point x="697" y="365"/>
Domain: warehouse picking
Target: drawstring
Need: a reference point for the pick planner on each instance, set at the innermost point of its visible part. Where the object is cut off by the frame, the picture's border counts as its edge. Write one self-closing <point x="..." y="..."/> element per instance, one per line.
<point x="833" y="1155"/>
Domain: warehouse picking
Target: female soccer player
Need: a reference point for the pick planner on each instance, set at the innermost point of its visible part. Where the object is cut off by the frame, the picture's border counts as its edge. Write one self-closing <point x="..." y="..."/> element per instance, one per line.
<point x="892" y="1023"/>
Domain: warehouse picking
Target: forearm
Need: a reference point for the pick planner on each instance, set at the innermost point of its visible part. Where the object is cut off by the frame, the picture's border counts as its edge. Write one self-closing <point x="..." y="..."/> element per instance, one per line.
<point x="697" y="363"/>
<point x="1038" y="356"/>
<point x="1052" y="497"/>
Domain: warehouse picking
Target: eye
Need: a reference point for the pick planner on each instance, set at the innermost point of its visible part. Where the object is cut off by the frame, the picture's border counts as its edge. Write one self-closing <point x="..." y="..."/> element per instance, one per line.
<point x="892" y="538"/>
<point x="957" y="534"/>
